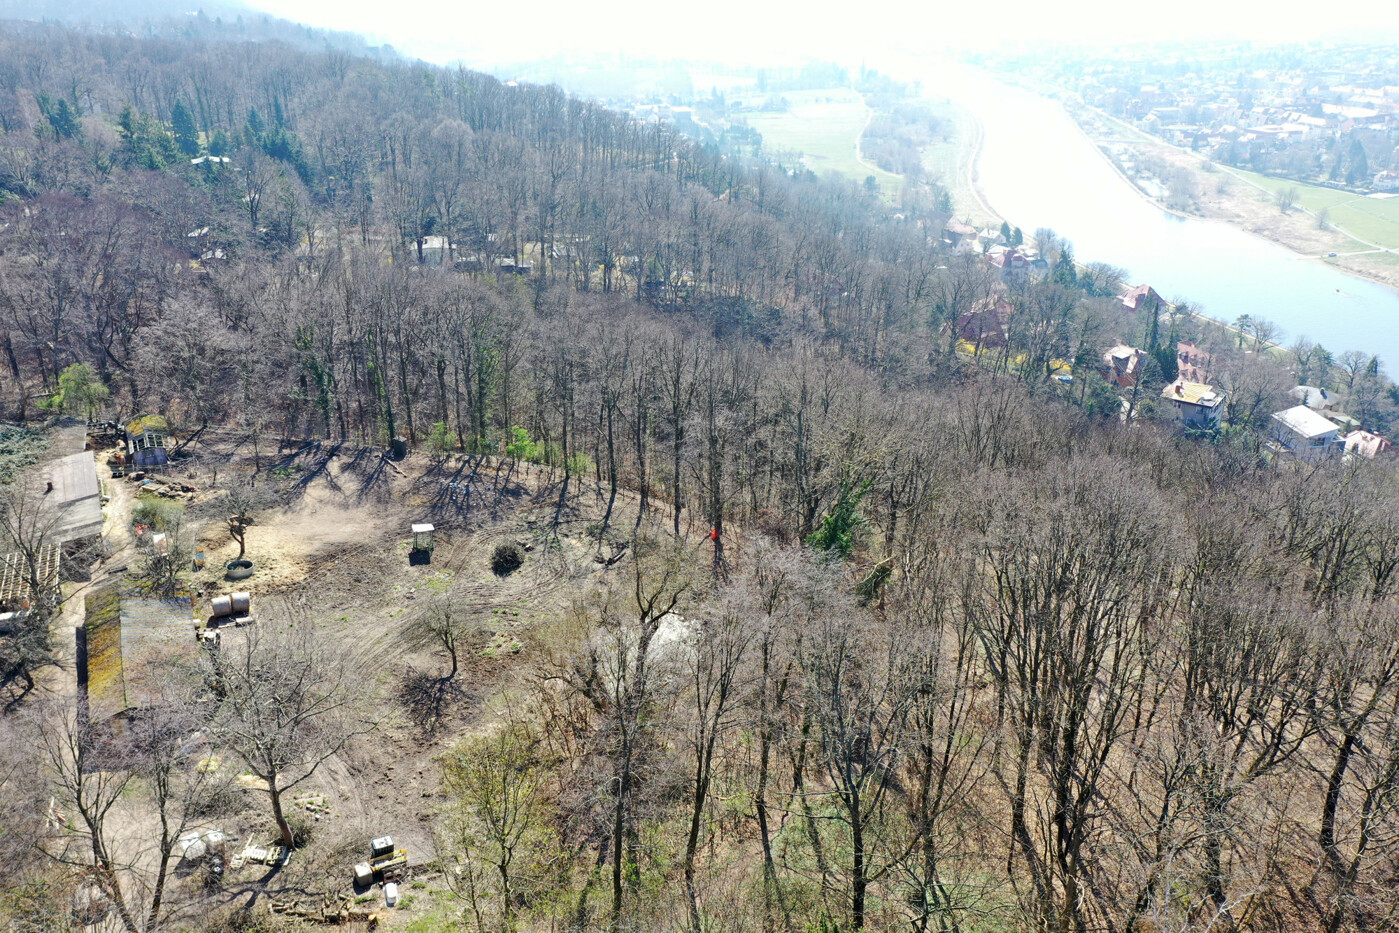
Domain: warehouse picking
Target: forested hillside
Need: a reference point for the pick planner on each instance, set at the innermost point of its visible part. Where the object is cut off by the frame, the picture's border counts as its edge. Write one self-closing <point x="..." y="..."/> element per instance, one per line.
<point x="883" y="630"/>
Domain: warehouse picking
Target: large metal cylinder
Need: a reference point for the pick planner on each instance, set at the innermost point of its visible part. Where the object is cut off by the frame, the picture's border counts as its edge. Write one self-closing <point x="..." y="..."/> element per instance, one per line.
<point x="242" y="602"/>
<point x="221" y="606"/>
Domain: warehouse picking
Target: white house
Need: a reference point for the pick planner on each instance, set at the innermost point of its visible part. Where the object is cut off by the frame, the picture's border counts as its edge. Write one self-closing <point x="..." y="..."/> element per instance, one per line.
<point x="436" y="250"/>
<point x="1193" y="403"/>
<point x="1307" y="434"/>
<point x="1314" y="398"/>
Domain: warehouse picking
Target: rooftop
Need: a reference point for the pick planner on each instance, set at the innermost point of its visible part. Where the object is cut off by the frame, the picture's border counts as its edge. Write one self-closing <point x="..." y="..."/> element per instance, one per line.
<point x="1366" y="444"/>
<point x="1313" y="397"/>
<point x="125" y="632"/>
<point x="1134" y="298"/>
<point x="15" y="592"/>
<point x="1302" y="420"/>
<point x="76" y="497"/>
<point x="1192" y="393"/>
<point x="148" y="423"/>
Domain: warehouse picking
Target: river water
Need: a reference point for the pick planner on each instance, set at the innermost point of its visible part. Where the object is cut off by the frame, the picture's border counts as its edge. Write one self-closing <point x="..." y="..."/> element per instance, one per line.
<point x="1038" y="170"/>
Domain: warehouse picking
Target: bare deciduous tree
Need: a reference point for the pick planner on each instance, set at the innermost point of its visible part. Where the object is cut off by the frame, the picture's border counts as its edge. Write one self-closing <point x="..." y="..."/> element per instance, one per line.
<point x="287" y="704"/>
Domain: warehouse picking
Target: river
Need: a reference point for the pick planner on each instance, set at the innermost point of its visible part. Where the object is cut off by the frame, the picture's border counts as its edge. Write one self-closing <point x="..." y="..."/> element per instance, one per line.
<point x="1037" y="169"/>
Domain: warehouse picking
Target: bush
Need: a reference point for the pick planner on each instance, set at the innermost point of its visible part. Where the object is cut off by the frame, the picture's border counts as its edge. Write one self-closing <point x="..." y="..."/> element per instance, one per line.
<point x="442" y="441"/>
<point x="522" y="447"/>
<point x="302" y="829"/>
<point x="506" y="559"/>
<point x="159" y="514"/>
<point x="219" y="800"/>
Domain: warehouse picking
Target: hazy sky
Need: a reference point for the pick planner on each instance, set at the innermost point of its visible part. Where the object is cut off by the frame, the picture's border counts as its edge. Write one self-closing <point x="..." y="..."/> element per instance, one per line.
<point x="485" y="33"/>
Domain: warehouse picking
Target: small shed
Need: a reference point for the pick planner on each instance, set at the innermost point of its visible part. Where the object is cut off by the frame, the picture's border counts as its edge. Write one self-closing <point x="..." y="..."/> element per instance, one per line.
<point x="423" y="537"/>
<point x="147" y="440"/>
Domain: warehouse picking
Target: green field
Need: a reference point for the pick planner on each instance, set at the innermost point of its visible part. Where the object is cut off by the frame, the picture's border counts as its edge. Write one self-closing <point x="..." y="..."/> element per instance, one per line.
<point x="949" y="161"/>
<point x="1374" y="220"/>
<point x="822" y="127"/>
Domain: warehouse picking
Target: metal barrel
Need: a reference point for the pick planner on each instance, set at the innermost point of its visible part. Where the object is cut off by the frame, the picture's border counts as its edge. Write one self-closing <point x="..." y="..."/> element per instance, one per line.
<point x="221" y="605"/>
<point x="242" y="602"/>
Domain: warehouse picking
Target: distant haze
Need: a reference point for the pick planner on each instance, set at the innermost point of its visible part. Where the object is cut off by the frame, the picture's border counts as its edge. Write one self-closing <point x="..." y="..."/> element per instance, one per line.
<point x="485" y="34"/>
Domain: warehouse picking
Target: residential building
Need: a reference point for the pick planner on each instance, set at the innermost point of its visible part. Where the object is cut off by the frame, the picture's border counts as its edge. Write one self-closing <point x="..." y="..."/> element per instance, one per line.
<point x="1194" y="404"/>
<point x="1365" y="444"/>
<point x="1142" y="298"/>
<point x="1314" y="398"/>
<point x="1305" y="433"/>
<point x="959" y="233"/>
<point x="1192" y="363"/>
<point x="436" y="251"/>
<point x="1122" y="365"/>
<point x="1008" y="260"/>
<point x="984" y="326"/>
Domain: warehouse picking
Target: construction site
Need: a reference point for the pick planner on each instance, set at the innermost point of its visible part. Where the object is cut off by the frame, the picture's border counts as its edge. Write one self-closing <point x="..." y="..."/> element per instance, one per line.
<point x="205" y="544"/>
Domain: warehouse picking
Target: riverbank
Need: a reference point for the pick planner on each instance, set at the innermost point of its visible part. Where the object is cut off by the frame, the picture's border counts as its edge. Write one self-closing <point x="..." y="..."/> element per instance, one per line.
<point x="1221" y="193"/>
<point x="963" y="165"/>
<point x="1039" y="169"/>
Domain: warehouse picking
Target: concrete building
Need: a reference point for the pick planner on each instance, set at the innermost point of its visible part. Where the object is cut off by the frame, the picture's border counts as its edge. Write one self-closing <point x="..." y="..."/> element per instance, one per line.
<point x="1308" y="435"/>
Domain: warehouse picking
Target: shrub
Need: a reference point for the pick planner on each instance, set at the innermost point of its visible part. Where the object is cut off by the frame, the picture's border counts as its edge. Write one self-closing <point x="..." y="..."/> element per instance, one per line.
<point x="302" y="829"/>
<point x="522" y="447"/>
<point x="160" y="514"/>
<point x="506" y="559"/>
<point x="219" y="800"/>
<point x="442" y="441"/>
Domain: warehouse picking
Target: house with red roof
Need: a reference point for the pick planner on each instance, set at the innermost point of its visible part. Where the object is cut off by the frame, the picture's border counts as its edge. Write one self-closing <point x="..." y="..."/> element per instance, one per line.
<point x="1192" y="363"/>
<point x="1142" y="298"/>
<point x="1366" y="444"/>
<point x="985" y="325"/>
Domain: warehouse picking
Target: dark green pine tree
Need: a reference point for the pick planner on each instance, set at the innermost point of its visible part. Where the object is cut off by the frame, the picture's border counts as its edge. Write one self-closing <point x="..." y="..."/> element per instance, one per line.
<point x="64" y="120"/>
<point x="186" y="133"/>
<point x="145" y="141"/>
<point x="220" y="144"/>
<point x="1064" y="272"/>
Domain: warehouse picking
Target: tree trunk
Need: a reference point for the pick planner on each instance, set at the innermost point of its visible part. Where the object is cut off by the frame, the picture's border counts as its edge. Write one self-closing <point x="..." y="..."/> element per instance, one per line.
<point x="858" y="881"/>
<point x="1333" y="799"/>
<point x="276" y="794"/>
